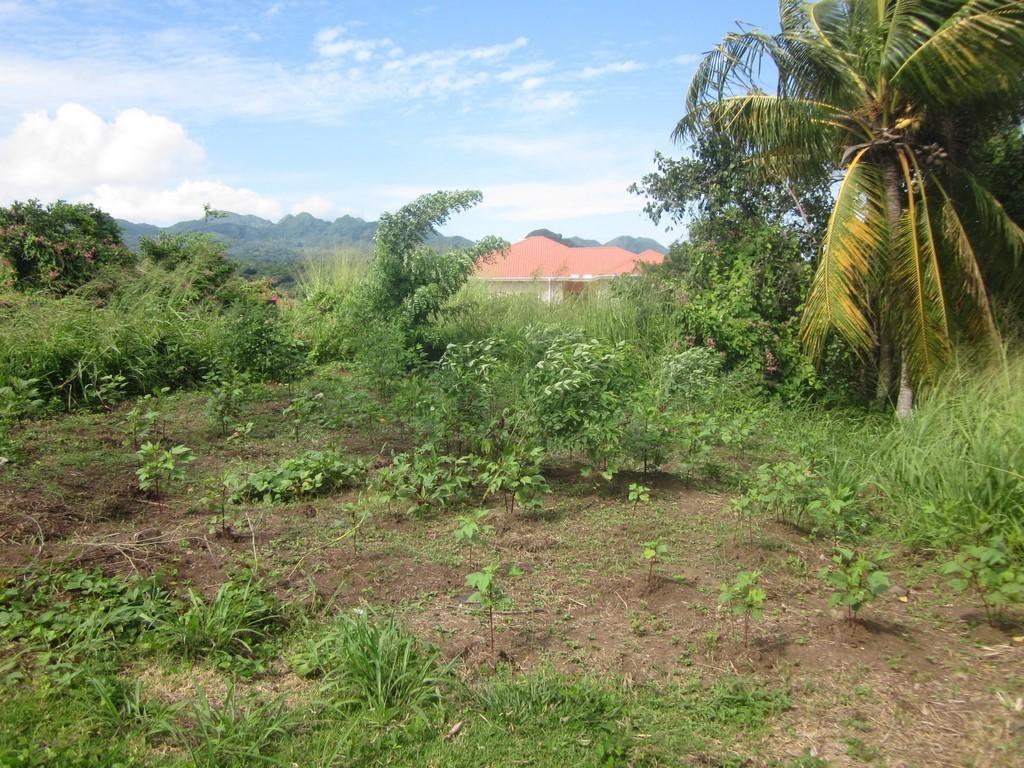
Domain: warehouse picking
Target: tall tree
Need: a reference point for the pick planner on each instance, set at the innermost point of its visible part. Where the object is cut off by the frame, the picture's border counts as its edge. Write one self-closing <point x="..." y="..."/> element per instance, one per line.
<point x="892" y="93"/>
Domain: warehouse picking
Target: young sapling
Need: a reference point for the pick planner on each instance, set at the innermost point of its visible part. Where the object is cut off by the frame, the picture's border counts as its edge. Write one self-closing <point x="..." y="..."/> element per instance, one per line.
<point x="855" y="580"/>
<point x="987" y="570"/>
<point x="653" y="552"/>
<point x="639" y="493"/>
<point x="158" y="467"/>
<point x="488" y="593"/>
<point x="744" y="597"/>
<point x="471" y="530"/>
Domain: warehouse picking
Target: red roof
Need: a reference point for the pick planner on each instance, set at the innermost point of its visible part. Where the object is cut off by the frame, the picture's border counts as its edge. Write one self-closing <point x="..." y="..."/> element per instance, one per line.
<point x="542" y="257"/>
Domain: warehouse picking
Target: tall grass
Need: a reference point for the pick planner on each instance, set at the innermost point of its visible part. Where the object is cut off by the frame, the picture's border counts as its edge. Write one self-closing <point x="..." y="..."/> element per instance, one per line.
<point x="332" y="276"/>
<point x="954" y="471"/>
<point x="609" y="313"/>
<point x="70" y="344"/>
<point x="320" y="317"/>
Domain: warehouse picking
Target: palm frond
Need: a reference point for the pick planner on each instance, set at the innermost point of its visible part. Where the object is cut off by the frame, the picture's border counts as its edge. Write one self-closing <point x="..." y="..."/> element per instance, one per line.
<point x="975" y="55"/>
<point x="910" y="24"/>
<point x="734" y="64"/>
<point x="981" y="321"/>
<point x="856" y="234"/>
<point x="922" y="315"/>
<point x="779" y="135"/>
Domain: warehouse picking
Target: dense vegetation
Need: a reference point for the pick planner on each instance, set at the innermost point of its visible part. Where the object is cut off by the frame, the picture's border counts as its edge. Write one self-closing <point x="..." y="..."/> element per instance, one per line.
<point x="394" y="520"/>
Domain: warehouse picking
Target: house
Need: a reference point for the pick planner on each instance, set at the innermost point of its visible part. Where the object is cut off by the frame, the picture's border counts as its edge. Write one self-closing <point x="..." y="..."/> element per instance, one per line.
<point x="552" y="270"/>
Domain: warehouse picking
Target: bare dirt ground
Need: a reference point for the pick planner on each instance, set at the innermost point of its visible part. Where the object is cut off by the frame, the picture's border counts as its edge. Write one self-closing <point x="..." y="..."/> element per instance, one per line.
<point x="921" y="680"/>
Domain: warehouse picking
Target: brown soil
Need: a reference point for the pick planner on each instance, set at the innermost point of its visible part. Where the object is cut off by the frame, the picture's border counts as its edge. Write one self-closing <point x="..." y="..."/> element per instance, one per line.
<point x="919" y="679"/>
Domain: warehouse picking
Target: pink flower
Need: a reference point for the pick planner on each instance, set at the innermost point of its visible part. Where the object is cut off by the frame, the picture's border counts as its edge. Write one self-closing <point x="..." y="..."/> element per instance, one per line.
<point x="53" y="274"/>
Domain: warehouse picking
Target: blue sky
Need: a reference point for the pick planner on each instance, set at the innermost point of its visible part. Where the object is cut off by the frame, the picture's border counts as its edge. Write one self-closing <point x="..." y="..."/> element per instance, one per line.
<point x="551" y="109"/>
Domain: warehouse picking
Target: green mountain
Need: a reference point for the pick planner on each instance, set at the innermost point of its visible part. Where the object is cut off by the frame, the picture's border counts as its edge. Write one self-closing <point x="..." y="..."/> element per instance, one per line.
<point x="254" y="239"/>
<point x="633" y="244"/>
<point x="638" y="244"/>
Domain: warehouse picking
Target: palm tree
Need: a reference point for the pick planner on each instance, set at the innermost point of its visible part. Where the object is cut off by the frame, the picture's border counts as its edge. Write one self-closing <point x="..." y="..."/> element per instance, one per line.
<point x="889" y="93"/>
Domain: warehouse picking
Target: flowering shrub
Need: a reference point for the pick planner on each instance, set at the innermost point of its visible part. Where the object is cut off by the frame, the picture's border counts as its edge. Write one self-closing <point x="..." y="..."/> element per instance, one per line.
<point x="57" y="247"/>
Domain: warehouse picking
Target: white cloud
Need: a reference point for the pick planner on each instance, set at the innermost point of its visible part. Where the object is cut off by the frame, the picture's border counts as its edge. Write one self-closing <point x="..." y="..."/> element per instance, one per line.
<point x="331" y="44"/>
<point x="185" y="201"/>
<point x="194" y="77"/>
<point x="497" y="51"/>
<point x="548" y="102"/>
<point x="77" y="150"/>
<point x="539" y="202"/>
<point x="686" y="59"/>
<point x="318" y="206"/>
<point x="522" y="71"/>
<point x="136" y="166"/>
<point x="532" y="83"/>
<point x="618" y="67"/>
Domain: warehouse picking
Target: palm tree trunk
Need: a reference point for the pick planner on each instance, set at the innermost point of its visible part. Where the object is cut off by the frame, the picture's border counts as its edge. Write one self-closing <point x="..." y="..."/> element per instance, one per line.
<point x="894" y="207"/>
<point x="883" y="390"/>
<point x="905" y="403"/>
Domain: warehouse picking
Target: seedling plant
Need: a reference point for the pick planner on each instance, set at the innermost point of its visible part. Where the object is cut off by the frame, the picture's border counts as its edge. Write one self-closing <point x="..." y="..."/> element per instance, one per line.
<point x="158" y="467"/>
<point x="744" y="597"/>
<point x="225" y="401"/>
<point x="653" y="552"/>
<point x="989" y="572"/>
<point x="855" y="579"/>
<point x="489" y="594"/>
<point x="301" y="409"/>
<point x="639" y="493"/>
<point x="471" y="530"/>
<point x="19" y="399"/>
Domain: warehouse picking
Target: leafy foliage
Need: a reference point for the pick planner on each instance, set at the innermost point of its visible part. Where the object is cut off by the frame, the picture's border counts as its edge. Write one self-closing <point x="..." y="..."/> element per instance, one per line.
<point x="159" y="466"/>
<point x="427" y="480"/>
<point x="874" y="89"/>
<point x="310" y="474"/>
<point x="988" y="571"/>
<point x="489" y="593"/>
<point x="408" y="280"/>
<point x="60" y="620"/>
<point x="57" y="247"/>
<point x="744" y="597"/>
<point x="855" y="580"/>
<point x="652" y="553"/>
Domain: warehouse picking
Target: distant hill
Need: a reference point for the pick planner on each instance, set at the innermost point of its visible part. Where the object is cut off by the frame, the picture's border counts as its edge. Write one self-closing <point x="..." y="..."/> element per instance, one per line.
<point x="254" y="239"/>
<point x="638" y="244"/>
<point x="633" y="244"/>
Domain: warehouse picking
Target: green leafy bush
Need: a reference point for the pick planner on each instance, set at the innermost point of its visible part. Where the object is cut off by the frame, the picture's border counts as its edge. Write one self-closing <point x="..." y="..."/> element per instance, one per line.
<point x="256" y="341"/>
<point x="58" y="247"/>
<point x="313" y="473"/>
<point x="19" y="399"/>
<point x="159" y="466"/>
<point x="577" y="393"/>
<point x="744" y="597"/>
<point x="990" y="573"/>
<point x="427" y="480"/>
<point x="516" y="476"/>
<point x="855" y="579"/>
